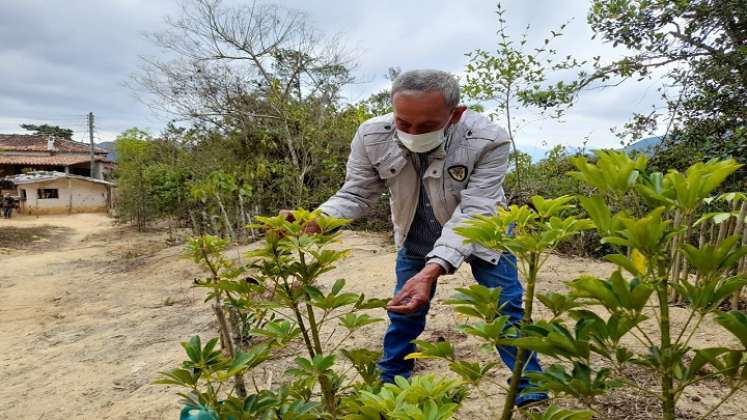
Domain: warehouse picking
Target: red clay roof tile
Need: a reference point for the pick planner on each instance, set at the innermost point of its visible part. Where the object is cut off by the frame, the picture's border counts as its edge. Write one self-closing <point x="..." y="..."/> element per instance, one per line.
<point x="38" y="143"/>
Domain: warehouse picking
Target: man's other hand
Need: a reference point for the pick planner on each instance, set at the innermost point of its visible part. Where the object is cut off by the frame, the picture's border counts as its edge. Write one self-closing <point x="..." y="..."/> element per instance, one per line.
<point x="416" y="292"/>
<point x="311" y="228"/>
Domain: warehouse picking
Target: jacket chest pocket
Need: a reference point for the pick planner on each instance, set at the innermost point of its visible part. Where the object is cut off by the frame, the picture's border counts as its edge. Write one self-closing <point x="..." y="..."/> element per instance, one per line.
<point x="387" y="159"/>
<point x="390" y="167"/>
<point x="397" y="174"/>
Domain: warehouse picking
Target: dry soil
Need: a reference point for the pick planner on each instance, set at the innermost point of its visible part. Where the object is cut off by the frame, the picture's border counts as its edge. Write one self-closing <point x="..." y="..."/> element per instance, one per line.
<point x="88" y="319"/>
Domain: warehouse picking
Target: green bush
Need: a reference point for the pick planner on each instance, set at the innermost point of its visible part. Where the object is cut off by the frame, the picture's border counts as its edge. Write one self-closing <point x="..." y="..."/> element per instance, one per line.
<point x="654" y="263"/>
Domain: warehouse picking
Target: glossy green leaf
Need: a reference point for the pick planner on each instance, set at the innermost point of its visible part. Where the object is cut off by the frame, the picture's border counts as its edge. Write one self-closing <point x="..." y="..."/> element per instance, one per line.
<point x="353" y="321"/>
<point x="437" y="350"/>
<point x="736" y="323"/>
<point x="557" y="413"/>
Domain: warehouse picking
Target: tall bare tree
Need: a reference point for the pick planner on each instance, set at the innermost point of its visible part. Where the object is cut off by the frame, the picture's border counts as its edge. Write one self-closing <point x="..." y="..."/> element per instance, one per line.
<point x="246" y="66"/>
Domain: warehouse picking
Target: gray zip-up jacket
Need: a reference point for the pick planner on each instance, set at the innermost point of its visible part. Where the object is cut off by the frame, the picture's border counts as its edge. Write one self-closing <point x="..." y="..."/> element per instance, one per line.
<point x="464" y="177"/>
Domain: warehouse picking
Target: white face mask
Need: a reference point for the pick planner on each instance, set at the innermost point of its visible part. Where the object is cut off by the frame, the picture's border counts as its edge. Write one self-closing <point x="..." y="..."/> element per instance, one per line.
<point x="421" y="143"/>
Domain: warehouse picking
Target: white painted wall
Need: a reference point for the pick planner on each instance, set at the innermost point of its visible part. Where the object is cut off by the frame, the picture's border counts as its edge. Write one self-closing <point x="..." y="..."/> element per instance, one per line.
<point x="75" y="195"/>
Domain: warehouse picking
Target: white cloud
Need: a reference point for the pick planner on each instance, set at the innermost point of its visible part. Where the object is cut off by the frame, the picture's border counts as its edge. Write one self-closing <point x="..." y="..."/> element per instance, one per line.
<point x="64" y="59"/>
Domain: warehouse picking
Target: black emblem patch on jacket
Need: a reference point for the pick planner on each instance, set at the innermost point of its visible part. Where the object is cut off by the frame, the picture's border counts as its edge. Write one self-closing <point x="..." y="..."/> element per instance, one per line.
<point x="458" y="172"/>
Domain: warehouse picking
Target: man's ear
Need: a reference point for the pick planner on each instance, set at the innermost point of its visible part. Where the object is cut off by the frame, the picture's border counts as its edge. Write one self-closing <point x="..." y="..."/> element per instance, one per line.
<point x="457" y="115"/>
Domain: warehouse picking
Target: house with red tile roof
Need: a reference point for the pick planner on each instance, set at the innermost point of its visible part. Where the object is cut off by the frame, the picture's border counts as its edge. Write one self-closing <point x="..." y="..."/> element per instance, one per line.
<point x="21" y="153"/>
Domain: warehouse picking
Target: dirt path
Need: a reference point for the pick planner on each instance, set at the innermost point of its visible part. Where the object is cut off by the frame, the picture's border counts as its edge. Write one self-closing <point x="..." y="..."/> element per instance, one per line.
<point x="86" y="324"/>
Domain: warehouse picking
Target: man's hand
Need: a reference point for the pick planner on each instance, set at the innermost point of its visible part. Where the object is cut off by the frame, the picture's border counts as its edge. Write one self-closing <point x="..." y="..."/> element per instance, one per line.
<point x="416" y="292"/>
<point x="311" y="228"/>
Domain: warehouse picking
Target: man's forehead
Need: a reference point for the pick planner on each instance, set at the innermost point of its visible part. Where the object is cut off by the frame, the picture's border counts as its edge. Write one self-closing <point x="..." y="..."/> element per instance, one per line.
<point x="430" y="96"/>
<point x="411" y="103"/>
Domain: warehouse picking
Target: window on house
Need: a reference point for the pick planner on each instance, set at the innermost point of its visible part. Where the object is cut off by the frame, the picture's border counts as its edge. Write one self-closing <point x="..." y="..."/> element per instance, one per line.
<point x="23" y="195"/>
<point x="47" y="193"/>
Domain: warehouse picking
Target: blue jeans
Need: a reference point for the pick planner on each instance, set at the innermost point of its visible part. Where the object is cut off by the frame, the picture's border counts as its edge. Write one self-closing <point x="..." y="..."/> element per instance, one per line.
<point x="404" y="328"/>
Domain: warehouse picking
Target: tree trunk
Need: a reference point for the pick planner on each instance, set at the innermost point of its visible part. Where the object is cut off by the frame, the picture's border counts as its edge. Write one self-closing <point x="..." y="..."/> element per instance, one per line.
<point x="722" y="230"/>
<point x="226" y="219"/>
<point x="289" y="143"/>
<point x="712" y="234"/>
<point x="251" y="228"/>
<point x="242" y="216"/>
<point x="239" y="340"/>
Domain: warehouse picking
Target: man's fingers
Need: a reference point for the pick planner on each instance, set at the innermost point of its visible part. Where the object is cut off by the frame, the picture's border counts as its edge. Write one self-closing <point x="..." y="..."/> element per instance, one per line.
<point x="407" y="305"/>
<point x="312" y="228"/>
<point x="401" y="298"/>
<point x="407" y="308"/>
<point x="398" y="309"/>
<point x="287" y="214"/>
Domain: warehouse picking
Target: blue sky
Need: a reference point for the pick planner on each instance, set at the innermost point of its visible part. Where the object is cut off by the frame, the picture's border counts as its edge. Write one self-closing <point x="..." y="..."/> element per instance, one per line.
<point x="63" y="58"/>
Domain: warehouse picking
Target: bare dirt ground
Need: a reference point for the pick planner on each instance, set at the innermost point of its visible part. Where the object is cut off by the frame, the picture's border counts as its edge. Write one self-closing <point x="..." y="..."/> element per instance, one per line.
<point x="88" y="318"/>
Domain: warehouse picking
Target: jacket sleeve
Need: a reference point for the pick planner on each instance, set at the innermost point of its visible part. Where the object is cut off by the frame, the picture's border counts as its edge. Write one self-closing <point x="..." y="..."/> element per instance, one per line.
<point x="362" y="186"/>
<point x="481" y="196"/>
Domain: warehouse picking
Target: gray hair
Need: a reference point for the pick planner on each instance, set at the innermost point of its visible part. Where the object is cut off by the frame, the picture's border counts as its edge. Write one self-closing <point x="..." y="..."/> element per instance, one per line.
<point x="429" y="80"/>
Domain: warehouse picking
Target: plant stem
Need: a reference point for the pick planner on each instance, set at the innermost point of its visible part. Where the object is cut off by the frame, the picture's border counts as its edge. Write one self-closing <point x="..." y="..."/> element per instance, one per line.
<point x="648" y="339"/>
<point x="299" y="319"/>
<point x="676" y="240"/>
<point x="685" y="269"/>
<point x="507" y="104"/>
<point x="227" y="342"/>
<point x="304" y="331"/>
<point x="341" y="342"/>
<point x="692" y="332"/>
<point x="740" y="265"/>
<point x="513" y="388"/>
<point x="313" y="328"/>
<point x="666" y="352"/>
<point x="520" y="352"/>
<point x="212" y="393"/>
<point x="701" y="243"/>
<point x="330" y="399"/>
<point x="640" y="340"/>
<point x="327" y="391"/>
<point x="223" y="328"/>
<point x="280" y="314"/>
